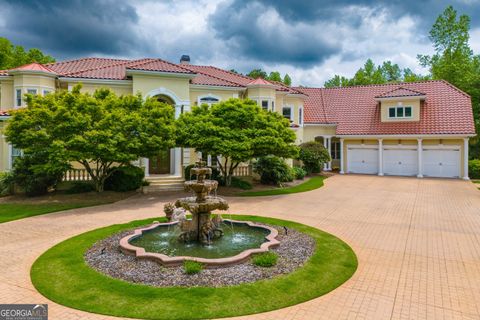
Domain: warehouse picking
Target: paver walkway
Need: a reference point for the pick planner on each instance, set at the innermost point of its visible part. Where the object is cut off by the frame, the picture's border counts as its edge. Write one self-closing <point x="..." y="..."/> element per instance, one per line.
<point x="417" y="241"/>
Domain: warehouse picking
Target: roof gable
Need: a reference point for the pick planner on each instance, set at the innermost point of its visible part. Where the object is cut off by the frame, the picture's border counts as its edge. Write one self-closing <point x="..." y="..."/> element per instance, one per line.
<point x="400" y="92"/>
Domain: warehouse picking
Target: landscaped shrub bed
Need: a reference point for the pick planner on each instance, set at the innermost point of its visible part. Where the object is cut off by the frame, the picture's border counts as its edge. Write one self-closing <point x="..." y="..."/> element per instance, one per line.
<point x="61" y="275"/>
<point x="474" y="169"/>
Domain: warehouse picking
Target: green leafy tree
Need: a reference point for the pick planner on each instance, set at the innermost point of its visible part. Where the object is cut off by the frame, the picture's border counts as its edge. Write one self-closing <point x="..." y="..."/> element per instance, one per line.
<point x="238" y="130"/>
<point x="99" y="131"/>
<point x="257" y="73"/>
<point x="454" y="60"/>
<point x="287" y="80"/>
<point x="12" y="56"/>
<point x="313" y="155"/>
<point x="275" y="76"/>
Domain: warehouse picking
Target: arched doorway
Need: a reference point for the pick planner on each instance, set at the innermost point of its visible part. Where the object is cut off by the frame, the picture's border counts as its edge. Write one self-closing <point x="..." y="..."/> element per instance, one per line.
<point x="162" y="164"/>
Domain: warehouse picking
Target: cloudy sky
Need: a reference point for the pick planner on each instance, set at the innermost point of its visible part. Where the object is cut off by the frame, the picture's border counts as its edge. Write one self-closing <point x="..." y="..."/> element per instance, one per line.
<point x="310" y="40"/>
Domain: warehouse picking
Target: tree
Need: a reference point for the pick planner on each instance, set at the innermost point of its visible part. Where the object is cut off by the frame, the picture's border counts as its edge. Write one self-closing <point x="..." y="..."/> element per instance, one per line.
<point x="100" y="131"/>
<point x="370" y="73"/>
<point x="275" y="76"/>
<point x="235" y="131"/>
<point x="257" y="73"/>
<point x="454" y="61"/>
<point x="12" y="56"/>
<point x="287" y="80"/>
<point x="313" y="155"/>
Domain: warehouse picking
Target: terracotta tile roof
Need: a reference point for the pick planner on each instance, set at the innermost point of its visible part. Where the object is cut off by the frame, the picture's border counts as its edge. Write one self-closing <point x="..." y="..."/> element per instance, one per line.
<point x="3" y="73"/>
<point x="37" y="67"/>
<point x="209" y="75"/>
<point x="400" y="92"/>
<point x="446" y="109"/>
<point x="158" y="65"/>
<point x="4" y="114"/>
<point x="260" y="81"/>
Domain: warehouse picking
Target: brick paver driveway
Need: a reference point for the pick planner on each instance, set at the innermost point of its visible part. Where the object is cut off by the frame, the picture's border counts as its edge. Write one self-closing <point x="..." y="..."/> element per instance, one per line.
<point x="417" y="241"/>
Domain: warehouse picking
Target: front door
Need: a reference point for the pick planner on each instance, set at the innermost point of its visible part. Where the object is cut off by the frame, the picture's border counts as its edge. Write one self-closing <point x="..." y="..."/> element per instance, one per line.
<point x="160" y="164"/>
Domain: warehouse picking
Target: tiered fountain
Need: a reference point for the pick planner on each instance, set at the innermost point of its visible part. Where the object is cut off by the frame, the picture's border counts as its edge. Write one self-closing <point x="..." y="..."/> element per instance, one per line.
<point x="211" y="241"/>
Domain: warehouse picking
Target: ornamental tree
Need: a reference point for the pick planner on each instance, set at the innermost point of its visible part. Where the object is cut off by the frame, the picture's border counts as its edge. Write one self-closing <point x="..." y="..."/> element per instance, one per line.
<point x="235" y="131"/>
<point x="313" y="155"/>
<point x="100" y="130"/>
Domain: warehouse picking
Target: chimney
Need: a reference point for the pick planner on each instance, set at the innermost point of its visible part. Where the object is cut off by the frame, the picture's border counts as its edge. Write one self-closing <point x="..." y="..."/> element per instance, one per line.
<point x="185" y="59"/>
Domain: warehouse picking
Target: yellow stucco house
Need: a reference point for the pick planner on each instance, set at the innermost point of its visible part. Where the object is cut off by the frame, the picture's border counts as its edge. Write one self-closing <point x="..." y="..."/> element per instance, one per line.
<point x="411" y="129"/>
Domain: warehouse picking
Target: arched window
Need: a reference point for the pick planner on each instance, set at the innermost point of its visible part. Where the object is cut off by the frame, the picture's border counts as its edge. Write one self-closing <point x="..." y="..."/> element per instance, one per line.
<point x="165" y="99"/>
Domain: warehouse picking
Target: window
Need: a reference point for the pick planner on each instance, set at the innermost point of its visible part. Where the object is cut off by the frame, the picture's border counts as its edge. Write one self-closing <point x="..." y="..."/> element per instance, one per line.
<point x="300" y="116"/>
<point x="15" y="153"/>
<point x="18" y="97"/>
<point x="32" y="91"/>
<point x="273" y="106"/>
<point x="335" y="151"/>
<point x="208" y="100"/>
<point x="265" y="105"/>
<point x="400" y="112"/>
<point x="287" y="112"/>
<point x="45" y="92"/>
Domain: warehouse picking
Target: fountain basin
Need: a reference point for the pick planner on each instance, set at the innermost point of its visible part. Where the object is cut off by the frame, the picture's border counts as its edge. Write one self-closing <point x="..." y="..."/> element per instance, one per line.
<point x="263" y="240"/>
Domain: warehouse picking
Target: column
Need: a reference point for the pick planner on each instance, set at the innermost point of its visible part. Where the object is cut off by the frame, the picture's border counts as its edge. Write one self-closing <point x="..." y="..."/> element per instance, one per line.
<point x="342" y="170"/>
<point x="420" y="158"/>
<point x="380" y="157"/>
<point x="146" y="163"/>
<point x="177" y="158"/>
<point x="329" y="143"/>
<point x="465" y="159"/>
<point x="325" y="165"/>
<point x="209" y="160"/>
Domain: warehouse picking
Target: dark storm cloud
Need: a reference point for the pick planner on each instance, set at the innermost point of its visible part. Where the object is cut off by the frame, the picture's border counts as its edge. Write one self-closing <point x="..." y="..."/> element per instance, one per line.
<point x="238" y="23"/>
<point x="70" y="28"/>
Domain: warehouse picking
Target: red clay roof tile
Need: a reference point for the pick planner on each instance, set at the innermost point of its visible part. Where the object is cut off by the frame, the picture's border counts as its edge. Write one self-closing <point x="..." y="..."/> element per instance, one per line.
<point x="37" y="67"/>
<point x="400" y="92"/>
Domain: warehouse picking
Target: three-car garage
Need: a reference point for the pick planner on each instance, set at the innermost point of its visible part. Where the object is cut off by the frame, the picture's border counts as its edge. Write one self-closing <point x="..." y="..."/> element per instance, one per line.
<point x="435" y="160"/>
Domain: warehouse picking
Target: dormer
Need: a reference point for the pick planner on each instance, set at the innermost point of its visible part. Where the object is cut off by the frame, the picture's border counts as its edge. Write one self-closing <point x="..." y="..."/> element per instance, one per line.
<point x="400" y="105"/>
<point x="263" y="92"/>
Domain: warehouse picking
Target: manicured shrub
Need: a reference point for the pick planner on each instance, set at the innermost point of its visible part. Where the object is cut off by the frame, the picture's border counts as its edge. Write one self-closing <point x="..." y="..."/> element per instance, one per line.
<point x="273" y="170"/>
<point x="31" y="176"/>
<point x="299" y="172"/>
<point x="241" y="184"/>
<point x="265" y="260"/>
<point x="313" y="155"/>
<point x="80" y="187"/>
<point x="6" y="183"/>
<point x="127" y="178"/>
<point x="192" y="267"/>
<point x="474" y="169"/>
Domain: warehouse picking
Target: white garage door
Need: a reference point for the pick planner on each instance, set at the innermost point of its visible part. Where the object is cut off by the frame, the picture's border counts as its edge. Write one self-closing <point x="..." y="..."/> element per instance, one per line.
<point x="362" y="160"/>
<point x="400" y="161"/>
<point x="443" y="163"/>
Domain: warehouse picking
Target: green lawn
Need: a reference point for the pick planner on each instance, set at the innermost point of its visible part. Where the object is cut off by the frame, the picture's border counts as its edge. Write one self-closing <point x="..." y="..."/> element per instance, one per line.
<point x="14" y="211"/>
<point x="62" y="275"/>
<point x="311" y="184"/>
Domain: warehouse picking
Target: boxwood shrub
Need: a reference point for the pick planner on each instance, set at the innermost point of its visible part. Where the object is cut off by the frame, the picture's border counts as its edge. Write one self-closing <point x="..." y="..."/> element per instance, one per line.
<point x="127" y="178"/>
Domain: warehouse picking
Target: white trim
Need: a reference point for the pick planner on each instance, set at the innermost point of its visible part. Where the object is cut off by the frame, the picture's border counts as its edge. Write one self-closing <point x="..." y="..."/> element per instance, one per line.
<point x="33" y="72"/>
<point x="169" y="93"/>
<point x="422" y="97"/>
<point x="400" y="105"/>
<point x="162" y="73"/>
<point x="420" y="158"/>
<point x="32" y="86"/>
<point x="208" y="95"/>
<point x="442" y="147"/>
<point x="329" y="145"/>
<point x="407" y="136"/>
<point x="399" y="146"/>
<point x="342" y="164"/>
<point x="380" y="157"/>
<point x="32" y="89"/>
<point x="320" y="125"/>
<point x="200" y="87"/>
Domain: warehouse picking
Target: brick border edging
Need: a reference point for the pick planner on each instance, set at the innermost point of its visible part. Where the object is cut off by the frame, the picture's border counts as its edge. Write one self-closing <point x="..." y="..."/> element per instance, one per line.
<point x="167" y="261"/>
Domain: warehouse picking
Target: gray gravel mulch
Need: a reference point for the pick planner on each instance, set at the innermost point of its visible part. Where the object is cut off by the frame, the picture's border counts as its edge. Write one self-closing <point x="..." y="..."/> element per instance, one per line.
<point x="294" y="250"/>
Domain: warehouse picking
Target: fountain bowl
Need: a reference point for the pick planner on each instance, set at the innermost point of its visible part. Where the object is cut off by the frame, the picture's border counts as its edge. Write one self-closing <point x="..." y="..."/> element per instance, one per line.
<point x="171" y="261"/>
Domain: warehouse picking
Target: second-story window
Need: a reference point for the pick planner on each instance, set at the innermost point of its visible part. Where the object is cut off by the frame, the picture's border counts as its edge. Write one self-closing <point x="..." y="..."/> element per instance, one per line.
<point x="45" y="92"/>
<point x="400" y="112"/>
<point x="32" y="91"/>
<point x="18" y="97"/>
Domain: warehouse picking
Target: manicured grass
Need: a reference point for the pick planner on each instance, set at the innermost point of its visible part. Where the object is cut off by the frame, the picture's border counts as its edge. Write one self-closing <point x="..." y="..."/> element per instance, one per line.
<point x="62" y="276"/>
<point x="14" y="211"/>
<point x="311" y="184"/>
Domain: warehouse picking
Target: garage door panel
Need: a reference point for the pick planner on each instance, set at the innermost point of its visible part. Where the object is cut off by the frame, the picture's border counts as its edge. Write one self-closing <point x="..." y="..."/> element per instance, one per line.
<point x="443" y="163"/>
<point x="401" y="162"/>
<point x="362" y="160"/>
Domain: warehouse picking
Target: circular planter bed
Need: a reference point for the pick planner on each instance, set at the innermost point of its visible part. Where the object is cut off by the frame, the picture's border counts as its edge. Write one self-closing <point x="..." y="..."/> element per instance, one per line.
<point x="62" y="275"/>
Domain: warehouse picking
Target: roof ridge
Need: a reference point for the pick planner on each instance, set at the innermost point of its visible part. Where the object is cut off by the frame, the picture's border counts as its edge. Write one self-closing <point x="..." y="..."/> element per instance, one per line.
<point x="83" y="59"/>
<point x="209" y="75"/>
<point x="161" y="60"/>
<point x="102" y="67"/>
<point x="455" y="88"/>
<point x="376" y="85"/>
<point x="230" y="72"/>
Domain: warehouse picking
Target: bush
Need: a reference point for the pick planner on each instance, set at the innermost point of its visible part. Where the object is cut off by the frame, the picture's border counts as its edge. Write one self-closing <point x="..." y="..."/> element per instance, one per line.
<point x="80" y="187"/>
<point x="265" y="260"/>
<point x="299" y="173"/>
<point x="241" y="184"/>
<point x="127" y="178"/>
<point x="313" y="155"/>
<point x="30" y="174"/>
<point x="273" y="170"/>
<point x="6" y="183"/>
<point x="474" y="169"/>
<point x="192" y="267"/>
